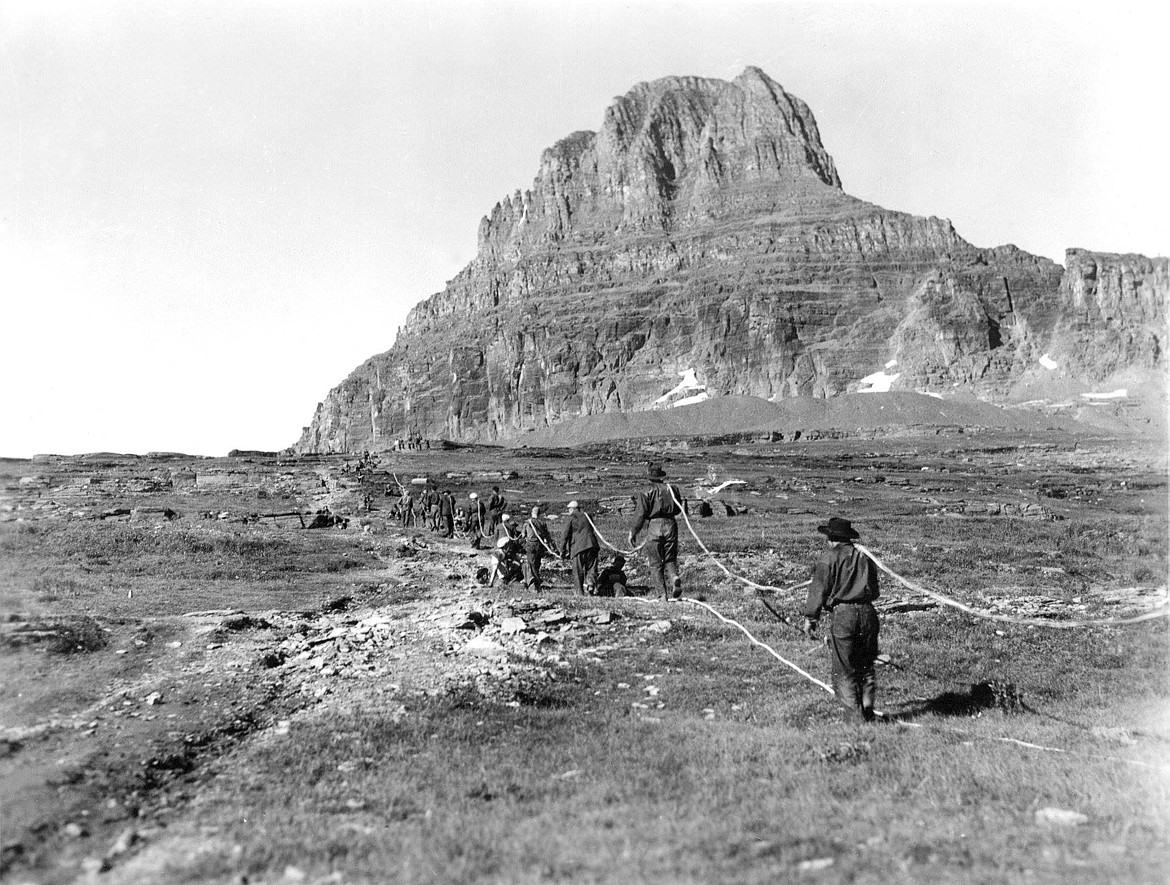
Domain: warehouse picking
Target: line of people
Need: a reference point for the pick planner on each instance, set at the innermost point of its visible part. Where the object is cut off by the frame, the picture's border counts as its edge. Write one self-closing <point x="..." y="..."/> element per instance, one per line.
<point x="655" y="510"/>
<point x="432" y="508"/>
<point x="844" y="583"/>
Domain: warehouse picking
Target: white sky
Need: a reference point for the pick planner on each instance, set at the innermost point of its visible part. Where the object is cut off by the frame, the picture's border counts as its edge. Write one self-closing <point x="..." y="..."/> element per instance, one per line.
<point x="211" y="212"/>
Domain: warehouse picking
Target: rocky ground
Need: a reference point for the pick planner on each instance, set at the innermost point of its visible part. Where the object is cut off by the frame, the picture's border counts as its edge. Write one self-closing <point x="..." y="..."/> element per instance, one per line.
<point x="160" y="632"/>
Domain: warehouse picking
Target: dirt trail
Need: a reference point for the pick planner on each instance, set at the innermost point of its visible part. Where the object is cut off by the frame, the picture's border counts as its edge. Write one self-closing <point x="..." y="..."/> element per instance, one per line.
<point x="112" y="790"/>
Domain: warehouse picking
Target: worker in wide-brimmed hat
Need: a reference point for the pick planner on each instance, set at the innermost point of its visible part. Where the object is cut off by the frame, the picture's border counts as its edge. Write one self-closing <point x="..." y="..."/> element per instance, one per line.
<point x="579" y="546"/>
<point x="656" y="509"/>
<point x="845" y="584"/>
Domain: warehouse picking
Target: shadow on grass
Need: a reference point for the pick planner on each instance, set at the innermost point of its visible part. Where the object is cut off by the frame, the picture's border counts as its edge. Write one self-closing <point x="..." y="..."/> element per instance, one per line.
<point x="979" y="697"/>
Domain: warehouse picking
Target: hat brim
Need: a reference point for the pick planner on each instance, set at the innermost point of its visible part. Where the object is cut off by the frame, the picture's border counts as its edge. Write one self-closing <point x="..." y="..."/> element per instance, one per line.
<point x="838" y="535"/>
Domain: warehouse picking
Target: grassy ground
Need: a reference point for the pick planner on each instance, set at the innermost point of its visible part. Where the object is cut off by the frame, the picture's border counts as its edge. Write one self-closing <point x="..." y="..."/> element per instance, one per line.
<point x="744" y="774"/>
<point x="677" y="756"/>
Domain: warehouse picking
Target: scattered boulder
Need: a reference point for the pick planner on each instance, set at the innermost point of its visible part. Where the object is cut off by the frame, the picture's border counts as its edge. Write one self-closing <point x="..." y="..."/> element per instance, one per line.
<point x="483" y="647"/>
<point x="1060" y="817"/>
<point x="513" y="625"/>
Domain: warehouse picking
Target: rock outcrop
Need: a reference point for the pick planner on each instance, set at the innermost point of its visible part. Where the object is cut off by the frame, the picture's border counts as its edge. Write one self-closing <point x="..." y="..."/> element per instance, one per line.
<point x="1113" y="313"/>
<point x="703" y="231"/>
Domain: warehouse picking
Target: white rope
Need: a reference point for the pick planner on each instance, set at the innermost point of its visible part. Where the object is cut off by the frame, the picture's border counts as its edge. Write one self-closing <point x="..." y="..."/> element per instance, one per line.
<point x="601" y="538"/>
<point x="764" y="646"/>
<point x="401" y="487"/>
<point x="720" y="565"/>
<point x="995" y="738"/>
<point x="540" y="538"/>
<point x="1025" y="744"/>
<point x="1008" y="619"/>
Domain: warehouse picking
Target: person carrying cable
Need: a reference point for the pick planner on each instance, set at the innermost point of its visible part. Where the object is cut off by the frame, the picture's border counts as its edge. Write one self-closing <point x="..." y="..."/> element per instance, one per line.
<point x="845" y="584"/>
<point x="579" y="546"/>
<point x="537" y="541"/>
<point x="656" y="509"/>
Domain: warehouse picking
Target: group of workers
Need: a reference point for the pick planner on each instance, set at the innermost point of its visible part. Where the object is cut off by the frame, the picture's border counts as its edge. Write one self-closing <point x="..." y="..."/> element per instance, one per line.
<point x="655" y="512"/>
<point x="844" y="581"/>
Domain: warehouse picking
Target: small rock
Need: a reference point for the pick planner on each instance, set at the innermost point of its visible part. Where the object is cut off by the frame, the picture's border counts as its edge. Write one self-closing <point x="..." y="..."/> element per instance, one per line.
<point x="75" y="831"/>
<point x="1114" y="734"/>
<point x="483" y="647"/>
<point x="657" y="627"/>
<point x="811" y="866"/>
<point x="604" y="618"/>
<point x="513" y="625"/>
<point x="554" y="616"/>
<point x="123" y="843"/>
<point x="153" y="698"/>
<point x="1060" y="817"/>
<point x="91" y="866"/>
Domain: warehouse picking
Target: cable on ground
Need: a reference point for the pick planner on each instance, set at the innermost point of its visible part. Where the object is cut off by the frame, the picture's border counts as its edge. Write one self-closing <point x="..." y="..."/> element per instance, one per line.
<point x="892" y="719"/>
<point x="601" y="538"/>
<point x="1009" y="619"/>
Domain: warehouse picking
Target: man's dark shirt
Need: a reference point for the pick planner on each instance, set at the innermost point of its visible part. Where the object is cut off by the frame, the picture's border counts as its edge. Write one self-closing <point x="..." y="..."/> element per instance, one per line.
<point x="655" y="503"/>
<point x="842" y="574"/>
<point x="535" y="532"/>
<point x="578" y="536"/>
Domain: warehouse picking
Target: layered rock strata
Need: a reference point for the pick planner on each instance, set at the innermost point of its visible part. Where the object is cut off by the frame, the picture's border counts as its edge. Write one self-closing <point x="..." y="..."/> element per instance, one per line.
<point x="704" y="229"/>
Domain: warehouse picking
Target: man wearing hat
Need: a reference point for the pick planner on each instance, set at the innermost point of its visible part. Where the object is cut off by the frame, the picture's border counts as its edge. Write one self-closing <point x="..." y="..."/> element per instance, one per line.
<point x="579" y="545"/>
<point x="656" y="508"/>
<point x="845" y="584"/>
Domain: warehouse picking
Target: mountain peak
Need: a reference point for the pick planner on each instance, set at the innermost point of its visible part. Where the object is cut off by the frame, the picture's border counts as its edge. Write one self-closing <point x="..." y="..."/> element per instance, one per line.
<point x="671" y="154"/>
<point x="702" y="231"/>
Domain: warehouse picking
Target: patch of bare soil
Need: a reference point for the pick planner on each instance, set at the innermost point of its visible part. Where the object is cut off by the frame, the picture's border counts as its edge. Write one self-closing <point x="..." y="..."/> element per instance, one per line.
<point x="97" y="789"/>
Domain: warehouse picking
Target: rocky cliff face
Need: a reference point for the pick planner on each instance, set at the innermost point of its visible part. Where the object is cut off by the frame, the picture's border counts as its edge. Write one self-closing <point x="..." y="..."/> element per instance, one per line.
<point x="703" y="231"/>
<point x="1114" y="315"/>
